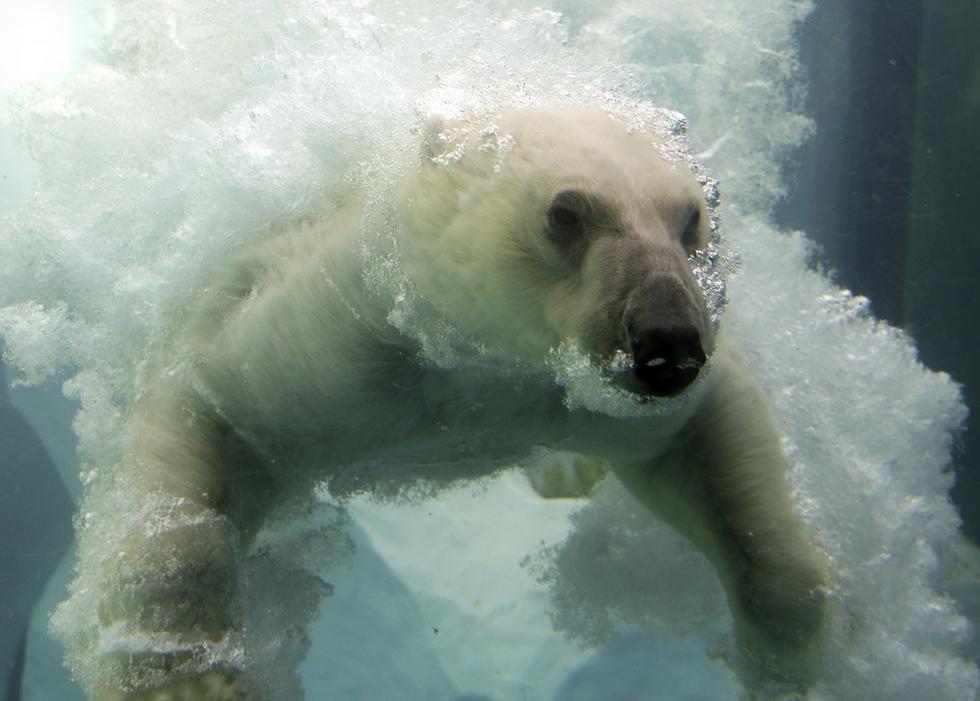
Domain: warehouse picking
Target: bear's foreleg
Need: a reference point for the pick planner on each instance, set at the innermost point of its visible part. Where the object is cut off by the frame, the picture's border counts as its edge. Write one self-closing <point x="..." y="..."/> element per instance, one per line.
<point x="723" y="485"/>
<point x="174" y="581"/>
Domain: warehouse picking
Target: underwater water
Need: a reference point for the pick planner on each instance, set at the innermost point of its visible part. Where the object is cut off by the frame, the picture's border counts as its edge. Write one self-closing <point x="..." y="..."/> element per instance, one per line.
<point x="194" y="127"/>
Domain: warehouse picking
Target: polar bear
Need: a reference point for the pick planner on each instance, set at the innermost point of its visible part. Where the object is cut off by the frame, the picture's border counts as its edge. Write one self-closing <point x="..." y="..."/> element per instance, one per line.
<point x="288" y="367"/>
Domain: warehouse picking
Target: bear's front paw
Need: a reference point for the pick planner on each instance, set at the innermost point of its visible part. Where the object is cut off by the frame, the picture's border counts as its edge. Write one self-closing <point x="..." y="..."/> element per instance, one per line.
<point x="785" y="603"/>
<point x="561" y="475"/>
<point x="781" y="620"/>
<point x="211" y="686"/>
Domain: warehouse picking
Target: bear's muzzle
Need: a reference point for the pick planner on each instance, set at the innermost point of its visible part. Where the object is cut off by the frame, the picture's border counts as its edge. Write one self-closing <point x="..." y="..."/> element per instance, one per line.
<point x="665" y="329"/>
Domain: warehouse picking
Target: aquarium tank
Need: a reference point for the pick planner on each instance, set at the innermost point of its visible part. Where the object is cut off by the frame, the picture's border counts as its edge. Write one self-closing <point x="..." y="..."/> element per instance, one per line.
<point x="145" y="143"/>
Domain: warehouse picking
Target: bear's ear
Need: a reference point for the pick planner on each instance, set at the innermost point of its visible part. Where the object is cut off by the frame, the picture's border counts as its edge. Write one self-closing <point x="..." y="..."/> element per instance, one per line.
<point x="433" y="136"/>
<point x="431" y="143"/>
<point x="439" y="135"/>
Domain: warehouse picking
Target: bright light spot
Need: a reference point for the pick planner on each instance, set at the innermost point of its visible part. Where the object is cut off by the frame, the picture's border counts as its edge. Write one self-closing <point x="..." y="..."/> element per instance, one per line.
<point x="34" y="42"/>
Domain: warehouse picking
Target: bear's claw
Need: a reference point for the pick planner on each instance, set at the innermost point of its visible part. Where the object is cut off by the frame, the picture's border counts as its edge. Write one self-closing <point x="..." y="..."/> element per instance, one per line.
<point x="211" y="686"/>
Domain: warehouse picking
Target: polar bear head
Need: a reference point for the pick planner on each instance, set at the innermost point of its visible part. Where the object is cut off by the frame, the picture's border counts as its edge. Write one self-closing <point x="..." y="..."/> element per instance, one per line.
<point x="558" y="224"/>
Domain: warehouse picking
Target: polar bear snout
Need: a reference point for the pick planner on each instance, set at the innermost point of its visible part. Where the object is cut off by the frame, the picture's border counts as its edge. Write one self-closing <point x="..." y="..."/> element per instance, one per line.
<point x="664" y="335"/>
<point x="666" y="359"/>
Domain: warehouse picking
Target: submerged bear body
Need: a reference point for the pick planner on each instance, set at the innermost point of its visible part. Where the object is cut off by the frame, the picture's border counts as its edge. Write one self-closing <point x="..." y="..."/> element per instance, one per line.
<point x="571" y="231"/>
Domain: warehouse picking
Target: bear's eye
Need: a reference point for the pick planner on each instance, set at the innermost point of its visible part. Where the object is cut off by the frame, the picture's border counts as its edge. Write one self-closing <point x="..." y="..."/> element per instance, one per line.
<point x="691" y="237"/>
<point x="566" y="216"/>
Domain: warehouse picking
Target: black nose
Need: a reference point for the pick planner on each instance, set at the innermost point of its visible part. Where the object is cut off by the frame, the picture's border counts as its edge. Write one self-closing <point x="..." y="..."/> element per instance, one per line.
<point x="666" y="358"/>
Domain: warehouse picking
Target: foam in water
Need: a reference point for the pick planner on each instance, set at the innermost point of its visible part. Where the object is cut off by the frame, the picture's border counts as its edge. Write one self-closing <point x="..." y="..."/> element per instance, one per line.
<point x="203" y="126"/>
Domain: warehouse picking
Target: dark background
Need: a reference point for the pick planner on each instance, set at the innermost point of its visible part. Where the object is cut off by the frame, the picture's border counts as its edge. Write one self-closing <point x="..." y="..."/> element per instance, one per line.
<point x="889" y="185"/>
<point x="35" y="533"/>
